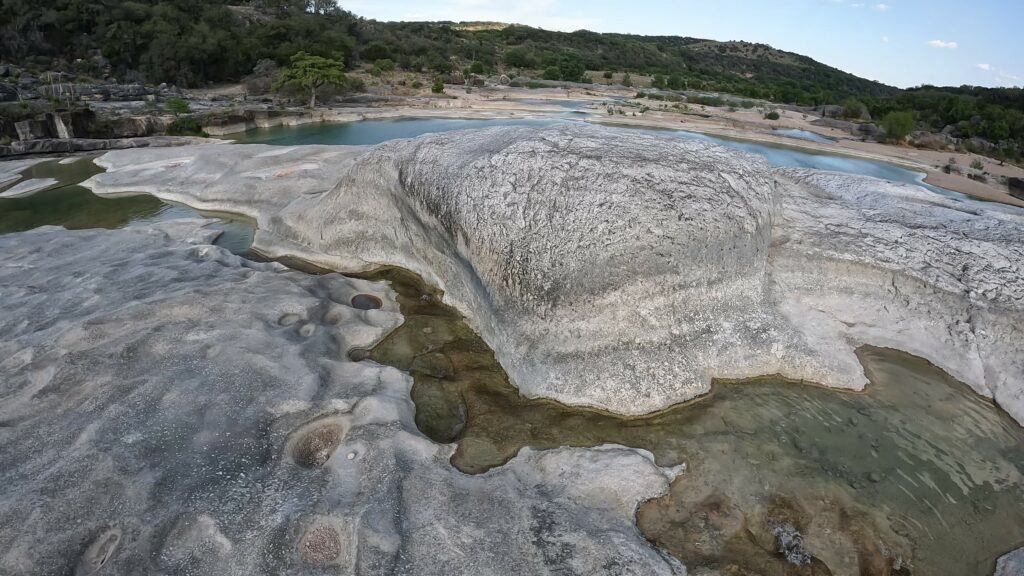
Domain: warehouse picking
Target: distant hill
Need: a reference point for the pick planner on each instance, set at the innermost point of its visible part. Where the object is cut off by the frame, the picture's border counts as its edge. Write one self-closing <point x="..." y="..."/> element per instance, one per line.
<point x="186" y="42"/>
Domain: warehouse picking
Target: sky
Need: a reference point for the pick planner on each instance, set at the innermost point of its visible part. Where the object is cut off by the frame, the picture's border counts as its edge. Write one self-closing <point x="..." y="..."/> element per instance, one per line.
<point x="899" y="42"/>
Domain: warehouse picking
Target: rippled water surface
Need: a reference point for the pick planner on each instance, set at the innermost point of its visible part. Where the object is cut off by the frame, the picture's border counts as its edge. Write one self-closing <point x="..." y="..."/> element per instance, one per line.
<point x="918" y="475"/>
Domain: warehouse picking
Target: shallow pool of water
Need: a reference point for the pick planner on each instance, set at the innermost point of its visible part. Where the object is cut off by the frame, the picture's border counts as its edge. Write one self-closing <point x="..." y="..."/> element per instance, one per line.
<point x="75" y="207"/>
<point x="918" y="475"/>
<point x="376" y="131"/>
<point x="803" y="135"/>
<point x="373" y="131"/>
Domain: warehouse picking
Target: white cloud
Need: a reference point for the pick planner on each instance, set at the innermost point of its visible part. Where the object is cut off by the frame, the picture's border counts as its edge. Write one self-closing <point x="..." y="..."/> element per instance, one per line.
<point x="942" y="44"/>
<point x="985" y="67"/>
<point x="883" y="7"/>
<point x="1008" y="80"/>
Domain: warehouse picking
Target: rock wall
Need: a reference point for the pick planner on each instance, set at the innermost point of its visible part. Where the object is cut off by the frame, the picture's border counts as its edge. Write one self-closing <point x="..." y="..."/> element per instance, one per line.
<point x="624" y="271"/>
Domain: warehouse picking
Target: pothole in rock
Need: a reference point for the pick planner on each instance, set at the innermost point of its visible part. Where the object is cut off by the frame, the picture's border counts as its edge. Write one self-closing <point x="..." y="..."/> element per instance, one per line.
<point x="69" y="204"/>
<point x="919" y="475"/>
<point x="313" y="444"/>
<point x="321" y="545"/>
<point x="366" y="302"/>
<point x="99" y="552"/>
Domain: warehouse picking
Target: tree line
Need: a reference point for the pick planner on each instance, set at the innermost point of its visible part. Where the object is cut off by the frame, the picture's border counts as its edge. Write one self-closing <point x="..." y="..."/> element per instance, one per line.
<point x="192" y="42"/>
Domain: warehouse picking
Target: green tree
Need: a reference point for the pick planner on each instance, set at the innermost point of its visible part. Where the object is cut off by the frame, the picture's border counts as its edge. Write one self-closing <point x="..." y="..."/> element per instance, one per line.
<point x="676" y="82"/>
<point x="176" y="106"/>
<point x="552" y="73"/>
<point x="658" y="81"/>
<point x="853" y="108"/>
<point x="898" y="125"/>
<point x="307" y="72"/>
<point x="773" y="115"/>
<point x="438" y="86"/>
<point x="384" y="66"/>
<point x="627" y="80"/>
<point x="477" y="67"/>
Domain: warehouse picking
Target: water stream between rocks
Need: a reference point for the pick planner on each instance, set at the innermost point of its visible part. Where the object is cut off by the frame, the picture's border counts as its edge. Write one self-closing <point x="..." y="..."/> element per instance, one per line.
<point x="918" y="475"/>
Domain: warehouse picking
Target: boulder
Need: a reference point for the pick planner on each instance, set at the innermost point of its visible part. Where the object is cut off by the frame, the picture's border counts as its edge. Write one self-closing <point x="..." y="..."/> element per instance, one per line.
<point x="504" y="80"/>
<point x="868" y="129"/>
<point x="477" y="81"/>
<point x="1011" y="564"/>
<point x="8" y="93"/>
<point x="829" y="111"/>
<point x="621" y="270"/>
<point x="455" y="78"/>
<point x="1016" y="187"/>
<point x="33" y="130"/>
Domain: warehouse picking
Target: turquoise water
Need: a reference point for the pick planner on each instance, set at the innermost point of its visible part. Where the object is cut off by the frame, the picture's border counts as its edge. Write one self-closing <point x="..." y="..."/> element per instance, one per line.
<point x="377" y="131"/>
<point x="373" y="131"/>
<point x="803" y="135"/>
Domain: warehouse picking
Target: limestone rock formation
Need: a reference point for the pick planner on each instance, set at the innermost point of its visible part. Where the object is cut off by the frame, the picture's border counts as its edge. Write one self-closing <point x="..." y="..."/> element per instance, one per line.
<point x="623" y="270"/>
<point x="169" y="408"/>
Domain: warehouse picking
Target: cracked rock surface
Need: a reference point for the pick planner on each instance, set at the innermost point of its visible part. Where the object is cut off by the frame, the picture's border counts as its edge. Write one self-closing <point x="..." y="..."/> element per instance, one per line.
<point x="167" y="407"/>
<point x="624" y="271"/>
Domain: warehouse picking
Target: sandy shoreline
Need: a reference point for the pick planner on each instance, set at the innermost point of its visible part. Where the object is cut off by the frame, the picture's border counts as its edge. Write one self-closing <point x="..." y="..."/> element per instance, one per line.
<point x="745" y="125"/>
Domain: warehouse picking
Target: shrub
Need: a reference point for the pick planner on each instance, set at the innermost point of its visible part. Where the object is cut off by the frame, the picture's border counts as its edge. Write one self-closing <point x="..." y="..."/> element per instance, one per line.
<point x="552" y="73"/>
<point x="477" y="67"/>
<point x="627" y="81"/>
<point x="608" y="75"/>
<point x="586" y="79"/>
<point x="898" y="125"/>
<point x="186" y="127"/>
<point x="977" y="164"/>
<point x="773" y="115"/>
<point x="438" y="86"/>
<point x="853" y="108"/>
<point x="416" y="84"/>
<point x="176" y="106"/>
<point x="383" y="66"/>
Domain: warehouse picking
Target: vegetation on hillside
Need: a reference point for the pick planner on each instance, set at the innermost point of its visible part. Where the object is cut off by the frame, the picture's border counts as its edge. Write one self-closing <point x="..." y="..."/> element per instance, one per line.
<point x="193" y="42"/>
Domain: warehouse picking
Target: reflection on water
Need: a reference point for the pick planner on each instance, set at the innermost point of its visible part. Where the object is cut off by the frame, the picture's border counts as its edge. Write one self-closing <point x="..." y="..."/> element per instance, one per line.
<point x="376" y="131"/>
<point x="918" y="475"/>
<point x="74" y="207"/>
<point x="372" y="131"/>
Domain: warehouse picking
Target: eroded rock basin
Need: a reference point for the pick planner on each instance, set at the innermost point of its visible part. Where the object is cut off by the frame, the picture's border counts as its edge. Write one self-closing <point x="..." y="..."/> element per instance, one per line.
<point x="918" y="475"/>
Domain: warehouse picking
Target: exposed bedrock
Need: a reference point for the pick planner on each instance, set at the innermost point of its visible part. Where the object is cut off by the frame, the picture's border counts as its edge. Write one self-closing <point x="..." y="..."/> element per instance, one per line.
<point x="169" y="408"/>
<point x="624" y="270"/>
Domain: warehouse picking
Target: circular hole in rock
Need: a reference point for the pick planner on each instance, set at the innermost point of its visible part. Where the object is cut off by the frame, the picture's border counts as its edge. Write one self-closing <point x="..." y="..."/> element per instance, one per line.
<point x="320" y="545"/>
<point x="315" y="442"/>
<point x="366" y="302"/>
